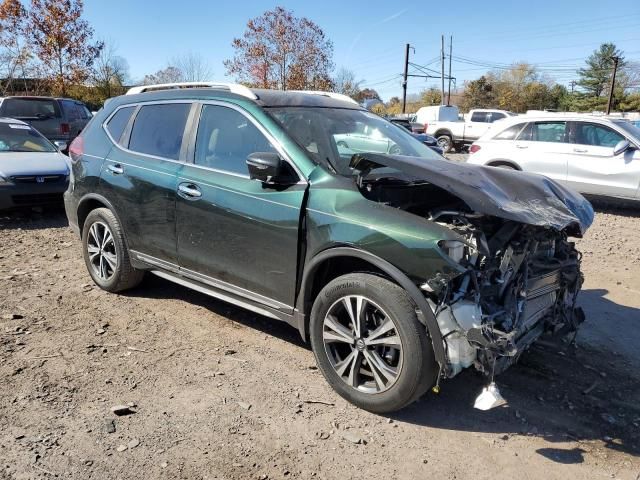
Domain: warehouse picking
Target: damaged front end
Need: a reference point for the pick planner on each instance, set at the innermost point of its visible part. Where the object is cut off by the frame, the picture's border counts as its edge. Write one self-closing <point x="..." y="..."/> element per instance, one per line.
<point x="520" y="273"/>
<point x="520" y="282"/>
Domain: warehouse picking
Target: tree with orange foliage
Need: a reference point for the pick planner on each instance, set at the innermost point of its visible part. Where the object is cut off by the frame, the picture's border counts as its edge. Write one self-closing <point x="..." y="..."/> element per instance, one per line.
<point x="62" y="40"/>
<point x="280" y="50"/>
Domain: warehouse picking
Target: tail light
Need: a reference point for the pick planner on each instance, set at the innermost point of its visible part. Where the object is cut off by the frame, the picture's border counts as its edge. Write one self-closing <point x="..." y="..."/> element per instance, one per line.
<point x="76" y="149"/>
<point x="474" y="148"/>
<point x="64" y="129"/>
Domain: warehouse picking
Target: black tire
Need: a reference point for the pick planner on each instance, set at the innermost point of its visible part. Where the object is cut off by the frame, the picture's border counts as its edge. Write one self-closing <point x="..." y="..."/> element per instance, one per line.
<point x="418" y="369"/>
<point x="123" y="276"/>
<point x="445" y="143"/>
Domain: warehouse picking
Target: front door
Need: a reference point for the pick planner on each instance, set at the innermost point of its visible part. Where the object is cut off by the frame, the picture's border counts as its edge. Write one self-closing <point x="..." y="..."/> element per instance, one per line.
<point x="139" y="177"/>
<point x="594" y="169"/>
<point x="234" y="231"/>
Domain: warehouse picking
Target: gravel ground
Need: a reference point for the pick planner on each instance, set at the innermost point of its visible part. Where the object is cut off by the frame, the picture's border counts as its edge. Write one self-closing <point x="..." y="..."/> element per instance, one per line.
<point x="216" y="392"/>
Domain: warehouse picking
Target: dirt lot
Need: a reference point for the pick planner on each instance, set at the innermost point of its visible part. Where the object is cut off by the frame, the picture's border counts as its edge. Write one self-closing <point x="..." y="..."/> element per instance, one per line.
<point x="222" y="393"/>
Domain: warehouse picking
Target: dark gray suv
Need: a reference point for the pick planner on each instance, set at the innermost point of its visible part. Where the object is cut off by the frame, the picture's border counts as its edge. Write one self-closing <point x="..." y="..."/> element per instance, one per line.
<point x="59" y="119"/>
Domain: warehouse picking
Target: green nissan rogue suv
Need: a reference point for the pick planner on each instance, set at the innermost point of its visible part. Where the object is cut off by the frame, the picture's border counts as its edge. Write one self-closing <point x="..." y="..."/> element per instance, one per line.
<point x="399" y="267"/>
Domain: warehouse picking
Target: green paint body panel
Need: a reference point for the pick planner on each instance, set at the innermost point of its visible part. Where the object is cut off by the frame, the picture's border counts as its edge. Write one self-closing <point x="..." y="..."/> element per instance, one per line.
<point x="240" y="231"/>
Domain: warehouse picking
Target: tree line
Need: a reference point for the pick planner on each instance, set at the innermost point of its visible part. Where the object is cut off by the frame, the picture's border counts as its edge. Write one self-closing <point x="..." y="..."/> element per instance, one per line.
<point x="523" y="87"/>
<point x="48" y="48"/>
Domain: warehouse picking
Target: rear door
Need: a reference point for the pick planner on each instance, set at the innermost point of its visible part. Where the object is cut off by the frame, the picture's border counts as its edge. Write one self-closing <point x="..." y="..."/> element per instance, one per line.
<point x="234" y="232"/>
<point x="140" y="174"/>
<point x="593" y="168"/>
<point x="44" y="114"/>
<point x="543" y="147"/>
<point x="72" y="117"/>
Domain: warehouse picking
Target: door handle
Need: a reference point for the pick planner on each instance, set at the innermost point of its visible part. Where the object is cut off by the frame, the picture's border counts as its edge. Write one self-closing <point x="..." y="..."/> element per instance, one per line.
<point x="189" y="191"/>
<point x="522" y="146"/>
<point x="116" y="169"/>
<point x="580" y="150"/>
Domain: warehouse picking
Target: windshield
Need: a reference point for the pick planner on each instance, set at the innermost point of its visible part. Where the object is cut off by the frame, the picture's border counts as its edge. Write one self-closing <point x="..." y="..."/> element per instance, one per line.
<point x="334" y="135"/>
<point x="16" y="137"/>
<point x="630" y="129"/>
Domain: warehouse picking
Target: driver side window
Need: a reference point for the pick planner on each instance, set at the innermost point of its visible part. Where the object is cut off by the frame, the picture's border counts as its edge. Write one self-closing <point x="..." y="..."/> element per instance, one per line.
<point x="226" y="138"/>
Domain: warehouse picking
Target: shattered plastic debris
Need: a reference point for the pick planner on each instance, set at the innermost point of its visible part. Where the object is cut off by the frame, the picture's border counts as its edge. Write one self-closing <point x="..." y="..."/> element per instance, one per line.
<point x="489" y="398"/>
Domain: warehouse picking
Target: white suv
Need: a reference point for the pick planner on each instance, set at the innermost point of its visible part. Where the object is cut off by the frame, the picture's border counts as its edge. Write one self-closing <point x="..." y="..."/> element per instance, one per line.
<point x="595" y="156"/>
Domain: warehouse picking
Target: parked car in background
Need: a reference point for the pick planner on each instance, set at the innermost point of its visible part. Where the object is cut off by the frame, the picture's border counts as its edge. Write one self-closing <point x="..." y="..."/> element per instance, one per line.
<point x="596" y="156"/>
<point x="429" y="141"/>
<point x="58" y="119"/>
<point x="33" y="172"/>
<point x="406" y="123"/>
<point x="454" y="134"/>
<point x="401" y="268"/>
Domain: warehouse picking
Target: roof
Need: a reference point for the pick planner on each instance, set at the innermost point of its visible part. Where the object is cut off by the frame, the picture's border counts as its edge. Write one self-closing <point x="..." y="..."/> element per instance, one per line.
<point x="263" y="97"/>
<point x="557" y="118"/>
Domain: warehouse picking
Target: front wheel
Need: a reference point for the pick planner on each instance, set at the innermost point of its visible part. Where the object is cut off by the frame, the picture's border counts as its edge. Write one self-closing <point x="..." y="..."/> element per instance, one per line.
<point x="369" y="344"/>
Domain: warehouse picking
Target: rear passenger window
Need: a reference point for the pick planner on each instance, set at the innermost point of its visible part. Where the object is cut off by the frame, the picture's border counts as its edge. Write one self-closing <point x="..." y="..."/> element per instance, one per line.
<point x="545" y="132"/>
<point x="510" y="133"/>
<point x="226" y="138"/>
<point x="158" y="130"/>
<point x="496" y="116"/>
<point x="549" y="132"/>
<point x="118" y="122"/>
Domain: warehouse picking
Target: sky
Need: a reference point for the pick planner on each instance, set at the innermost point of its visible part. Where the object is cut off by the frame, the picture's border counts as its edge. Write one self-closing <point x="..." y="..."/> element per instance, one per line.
<point x="369" y="37"/>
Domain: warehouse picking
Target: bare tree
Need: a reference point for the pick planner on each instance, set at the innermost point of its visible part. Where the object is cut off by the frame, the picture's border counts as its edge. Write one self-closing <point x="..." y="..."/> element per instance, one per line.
<point x="169" y="74"/>
<point x="345" y="82"/>
<point x="110" y="72"/>
<point x="193" y="66"/>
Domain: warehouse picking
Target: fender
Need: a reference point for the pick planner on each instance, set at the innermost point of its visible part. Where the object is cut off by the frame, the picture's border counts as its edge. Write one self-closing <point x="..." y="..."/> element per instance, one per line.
<point x="95" y="196"/>
<point x="426" y="316"/>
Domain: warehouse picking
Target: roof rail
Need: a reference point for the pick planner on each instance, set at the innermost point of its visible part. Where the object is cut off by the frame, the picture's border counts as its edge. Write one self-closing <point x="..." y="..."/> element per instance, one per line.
<point x="337" y="96"/>
<point x="232" y="87"/>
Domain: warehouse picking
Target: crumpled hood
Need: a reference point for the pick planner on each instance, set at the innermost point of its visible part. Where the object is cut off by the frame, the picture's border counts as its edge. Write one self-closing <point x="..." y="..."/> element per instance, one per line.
<point x="33" y="163"/>
<point x="522" y="197"/>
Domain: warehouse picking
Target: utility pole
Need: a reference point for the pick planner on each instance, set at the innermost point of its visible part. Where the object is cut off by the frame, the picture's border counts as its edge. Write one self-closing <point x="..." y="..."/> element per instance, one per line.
<point x="450" y="53"/>
<point x="573" y="83"/>
<point x="613" y="83"/>
<point x="404" y="81"/>
<point x="442" y="70"/>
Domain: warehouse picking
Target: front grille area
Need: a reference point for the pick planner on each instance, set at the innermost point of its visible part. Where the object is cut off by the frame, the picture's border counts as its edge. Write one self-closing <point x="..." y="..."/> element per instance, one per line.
<point x="36" y="199"/>
<point x="38" y="178"/>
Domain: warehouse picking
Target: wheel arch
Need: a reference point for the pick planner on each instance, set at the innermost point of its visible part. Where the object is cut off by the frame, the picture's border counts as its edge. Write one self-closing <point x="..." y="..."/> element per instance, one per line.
<point x="444" y="131"/>
<point x="349" y="258"/>
<point x="505" y="162"/>
<point x="89" y="203"/>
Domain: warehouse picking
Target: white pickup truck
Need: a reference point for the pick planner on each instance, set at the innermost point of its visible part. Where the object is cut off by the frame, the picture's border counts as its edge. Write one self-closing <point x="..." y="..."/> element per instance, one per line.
<point x="443" y="122"/>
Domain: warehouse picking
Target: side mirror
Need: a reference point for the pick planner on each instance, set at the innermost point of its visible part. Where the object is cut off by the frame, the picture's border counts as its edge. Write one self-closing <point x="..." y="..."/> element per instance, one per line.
<point x="621" y="146"/>
<point x="61" y="145"/>
<point x="264" y="166"/>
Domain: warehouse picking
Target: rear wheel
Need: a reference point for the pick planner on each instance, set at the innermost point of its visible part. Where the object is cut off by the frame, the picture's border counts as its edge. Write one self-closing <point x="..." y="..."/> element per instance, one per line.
<point x="445" y="143"/>
<point x="105" y="252"/>
<point x="369" y="344"/>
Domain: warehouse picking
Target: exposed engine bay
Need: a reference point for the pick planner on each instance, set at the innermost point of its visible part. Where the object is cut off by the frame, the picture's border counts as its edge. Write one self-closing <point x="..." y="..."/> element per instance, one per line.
<point x="520" y="280"/>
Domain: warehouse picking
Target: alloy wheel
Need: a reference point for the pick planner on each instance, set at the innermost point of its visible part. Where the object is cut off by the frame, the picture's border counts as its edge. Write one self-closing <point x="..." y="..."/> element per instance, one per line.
<point x="101" y="248"/>
<point x="363" y="344"/>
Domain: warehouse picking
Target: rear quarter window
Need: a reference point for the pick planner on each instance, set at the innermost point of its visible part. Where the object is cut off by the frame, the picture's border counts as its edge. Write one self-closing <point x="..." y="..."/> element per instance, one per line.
<point x="118" y="122"/>
<point x="509" y="133"/>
